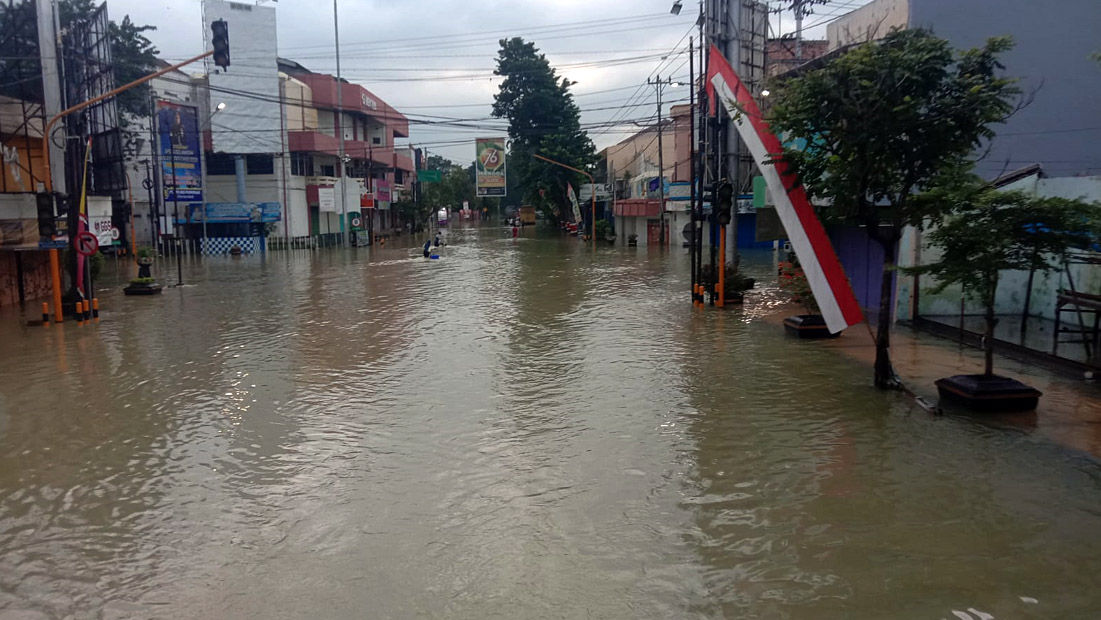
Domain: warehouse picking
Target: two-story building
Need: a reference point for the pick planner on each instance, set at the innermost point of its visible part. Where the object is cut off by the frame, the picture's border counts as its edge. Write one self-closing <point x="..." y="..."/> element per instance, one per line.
<point x="376" y="170"/>
<point x="633" y="169"/>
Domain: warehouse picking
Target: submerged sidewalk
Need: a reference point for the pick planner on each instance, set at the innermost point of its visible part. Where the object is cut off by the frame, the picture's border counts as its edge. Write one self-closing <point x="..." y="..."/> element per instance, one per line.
<point x="1069" y="412"/>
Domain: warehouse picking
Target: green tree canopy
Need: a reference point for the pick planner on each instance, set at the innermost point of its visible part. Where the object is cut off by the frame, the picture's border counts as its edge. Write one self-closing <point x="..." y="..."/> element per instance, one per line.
<point x="543" y="119"/>
<point x="132" y="53"/>
<point x="991" y="231"/>
<point x="883" y="122"/>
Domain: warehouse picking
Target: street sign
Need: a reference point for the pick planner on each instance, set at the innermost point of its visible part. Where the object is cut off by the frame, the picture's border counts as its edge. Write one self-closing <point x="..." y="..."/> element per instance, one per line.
<point x="57" y="244"/>
<point x="86" y="243"/>
<point x="356" y="222"/>
<point x="429" y="176"/>
<point x="115" y="234"/>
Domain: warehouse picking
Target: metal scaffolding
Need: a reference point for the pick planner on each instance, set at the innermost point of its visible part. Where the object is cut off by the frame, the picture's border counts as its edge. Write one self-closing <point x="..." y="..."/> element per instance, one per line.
<point x="21" y="98"/>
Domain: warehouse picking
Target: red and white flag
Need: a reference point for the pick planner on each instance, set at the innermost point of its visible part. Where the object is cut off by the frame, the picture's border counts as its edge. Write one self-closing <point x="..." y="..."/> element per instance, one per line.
<point x="825" y="275"/>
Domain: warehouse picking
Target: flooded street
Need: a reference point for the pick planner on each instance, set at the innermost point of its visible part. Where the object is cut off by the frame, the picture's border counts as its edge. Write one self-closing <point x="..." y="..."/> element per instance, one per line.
<point x="519" y="430"/>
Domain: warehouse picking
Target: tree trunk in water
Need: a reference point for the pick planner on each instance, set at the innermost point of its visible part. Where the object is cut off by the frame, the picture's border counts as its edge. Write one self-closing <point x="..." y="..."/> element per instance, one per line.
<point x="991" y="322"/>
<point x="988" y="343"/>
<point x="884" y="374"/>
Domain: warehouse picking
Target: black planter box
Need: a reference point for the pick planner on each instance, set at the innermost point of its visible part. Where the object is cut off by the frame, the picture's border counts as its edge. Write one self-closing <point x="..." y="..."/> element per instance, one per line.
<point x="808" y="326"/>
<point x="152" y="288"/>
<point x="988" y="394"/>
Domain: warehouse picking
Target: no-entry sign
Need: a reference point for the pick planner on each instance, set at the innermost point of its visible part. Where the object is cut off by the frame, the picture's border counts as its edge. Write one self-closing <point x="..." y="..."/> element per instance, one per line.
<point x="86" y="243"/>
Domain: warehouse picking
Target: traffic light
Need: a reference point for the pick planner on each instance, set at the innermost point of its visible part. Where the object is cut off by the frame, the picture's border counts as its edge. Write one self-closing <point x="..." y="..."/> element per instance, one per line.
<point x="724" y="202"/>
<point x="47" y="220"/>
<point x="220" y="41"/>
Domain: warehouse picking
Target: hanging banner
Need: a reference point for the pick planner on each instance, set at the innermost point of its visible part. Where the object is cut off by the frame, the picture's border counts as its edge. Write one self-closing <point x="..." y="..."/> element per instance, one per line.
<point x="490" y="164"/>
<point x="573" y="203"/>
<point x="180" y="153"/>
<point x="808" y="238"/>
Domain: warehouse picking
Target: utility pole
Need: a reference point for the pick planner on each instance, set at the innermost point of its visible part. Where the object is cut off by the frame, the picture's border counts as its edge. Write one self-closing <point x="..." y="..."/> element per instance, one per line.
<point x="340" y="127"/>
<point x="149" y="184"/>
<point x="658" y="83"/>
<point x="176" y="215"/>
<point x="797" y="7"/>
<point x="692" y="162"/>
<point x="374" y="193"/>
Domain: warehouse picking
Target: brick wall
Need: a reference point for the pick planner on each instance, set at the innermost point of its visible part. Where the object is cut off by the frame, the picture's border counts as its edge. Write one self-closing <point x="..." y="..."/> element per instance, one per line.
<point x="781" y="54"/>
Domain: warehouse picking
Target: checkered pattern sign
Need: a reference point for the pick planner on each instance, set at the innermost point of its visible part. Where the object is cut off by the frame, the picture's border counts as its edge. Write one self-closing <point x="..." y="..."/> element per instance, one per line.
<point x="221" y="245"/>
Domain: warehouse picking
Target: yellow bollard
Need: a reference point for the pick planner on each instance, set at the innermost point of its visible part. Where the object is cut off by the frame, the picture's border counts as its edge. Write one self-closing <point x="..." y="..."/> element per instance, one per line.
<point x="95" y="309"/>
<point x="78" y="310"/>
<point x="45" y="314"/>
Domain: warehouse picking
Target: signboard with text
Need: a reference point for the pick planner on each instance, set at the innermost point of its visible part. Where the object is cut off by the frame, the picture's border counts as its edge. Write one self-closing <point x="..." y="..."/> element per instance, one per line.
<point x="235" y="212"/>
<point x="326" y="199"/>
<point x="429" y="176"/>
<point x="382" y="190"/>
<point x="490" y="167"/>
<point x="178" y="141"/>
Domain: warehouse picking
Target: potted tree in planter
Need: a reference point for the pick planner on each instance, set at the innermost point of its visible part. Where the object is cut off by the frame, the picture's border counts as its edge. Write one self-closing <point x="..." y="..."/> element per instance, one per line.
<point x="871" y="129"/>
<point x="735" y="283"/>
<point x="811" y="324"/>
<point x="989" y="232"/>
<point x="145" y="283"/>
<point x="605" y="231"/>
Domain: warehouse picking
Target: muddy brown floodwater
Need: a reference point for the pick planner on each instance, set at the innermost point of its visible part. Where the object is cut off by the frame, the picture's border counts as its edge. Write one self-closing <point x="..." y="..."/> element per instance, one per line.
<point x="519" y="430"/>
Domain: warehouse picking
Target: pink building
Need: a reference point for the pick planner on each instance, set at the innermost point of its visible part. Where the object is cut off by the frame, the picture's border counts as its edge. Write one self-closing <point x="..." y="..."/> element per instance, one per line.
<point x="376" y="171"/>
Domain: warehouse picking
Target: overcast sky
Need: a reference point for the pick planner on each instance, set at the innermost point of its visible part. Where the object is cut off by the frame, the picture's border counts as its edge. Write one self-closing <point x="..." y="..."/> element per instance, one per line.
<point x="435" y="58"/>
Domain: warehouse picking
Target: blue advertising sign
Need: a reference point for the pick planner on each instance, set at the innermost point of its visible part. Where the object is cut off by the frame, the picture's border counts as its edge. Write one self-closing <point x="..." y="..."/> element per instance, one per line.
<point x="180" y="152"/>
<point x="236" y="212"/>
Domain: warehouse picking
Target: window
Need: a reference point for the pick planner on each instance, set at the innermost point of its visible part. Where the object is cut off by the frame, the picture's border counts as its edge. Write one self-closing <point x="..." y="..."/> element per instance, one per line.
<point x="376" y="140"/>
<point x="260" y="164"/>
<point x="301" y="164"/>
<point x="399" y="177"/>
<point x="220" y="164"/>
<point x="328" y="171"/>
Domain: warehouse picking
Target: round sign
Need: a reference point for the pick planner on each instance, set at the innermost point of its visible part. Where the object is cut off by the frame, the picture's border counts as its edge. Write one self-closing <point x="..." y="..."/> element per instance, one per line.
<point x="356" y="222"/>
<point x="86" y="243"/>
<point x="115" y="234"/>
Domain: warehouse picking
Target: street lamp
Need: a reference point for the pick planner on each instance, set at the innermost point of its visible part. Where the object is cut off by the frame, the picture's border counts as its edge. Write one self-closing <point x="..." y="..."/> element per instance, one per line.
<point x="766" y="92"/>
<point x="676" y="8"/>
<point x="209" y="125"/>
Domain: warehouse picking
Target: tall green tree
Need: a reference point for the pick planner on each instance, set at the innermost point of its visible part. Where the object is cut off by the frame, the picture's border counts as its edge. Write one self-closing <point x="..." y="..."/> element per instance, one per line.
<point x="543" y="119"/>
<point x="884" y="122"/>
<point x="454" y="187"/>
<point x="990" y="232"/>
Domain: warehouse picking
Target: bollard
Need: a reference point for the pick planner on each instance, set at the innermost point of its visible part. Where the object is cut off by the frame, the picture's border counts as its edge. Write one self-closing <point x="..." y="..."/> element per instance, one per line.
<point x="85" y="311"/>
<point x="45" y="314"/>
<point x="78" y="312"/>
<point x="95" y="309"/>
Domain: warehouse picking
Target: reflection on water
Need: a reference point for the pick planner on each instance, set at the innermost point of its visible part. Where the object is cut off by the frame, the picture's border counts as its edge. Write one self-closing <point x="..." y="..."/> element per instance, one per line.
<point x="519" y="430"/>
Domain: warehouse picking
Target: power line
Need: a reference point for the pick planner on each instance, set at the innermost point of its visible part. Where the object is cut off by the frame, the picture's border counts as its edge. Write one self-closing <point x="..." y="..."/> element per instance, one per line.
<point x="657" y="69"/>
<point x="604" y="28"/>
<point x="565" y="25"/>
